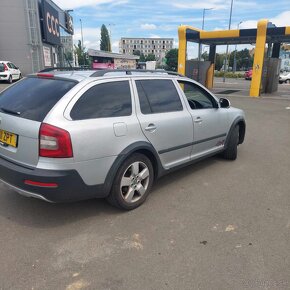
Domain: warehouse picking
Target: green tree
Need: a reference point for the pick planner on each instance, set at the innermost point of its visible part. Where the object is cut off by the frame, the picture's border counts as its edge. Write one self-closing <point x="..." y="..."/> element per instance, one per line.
<point x="69" y="55"/>
<point x="219" y="60"/>
<point x="150" y="57"/>
<point x="137" y="52"/>
<point x="243" y="58"/>
<point x="105" y="39"/>
<point x="142" y="57"/>
<point x="81" y="53"/>
<point x="172" y="59"/>
<point x="205" y="56"/>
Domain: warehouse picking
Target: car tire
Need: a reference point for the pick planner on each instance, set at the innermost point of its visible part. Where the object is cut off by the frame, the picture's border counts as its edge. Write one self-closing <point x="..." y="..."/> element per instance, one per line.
<point x="10" y="80"/>
<point x="130" y="189"/>
<point x="20" y="76"/>
<point x="231" y="152"/>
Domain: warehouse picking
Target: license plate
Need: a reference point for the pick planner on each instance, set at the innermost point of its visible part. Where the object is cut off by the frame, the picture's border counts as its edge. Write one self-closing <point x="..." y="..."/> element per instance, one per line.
<point x="8" y="138"/>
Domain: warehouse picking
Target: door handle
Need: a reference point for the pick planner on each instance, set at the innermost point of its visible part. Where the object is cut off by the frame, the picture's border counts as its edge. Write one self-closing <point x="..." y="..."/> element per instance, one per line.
<point x="151" y="128"/>
<point x="198" y="120"/>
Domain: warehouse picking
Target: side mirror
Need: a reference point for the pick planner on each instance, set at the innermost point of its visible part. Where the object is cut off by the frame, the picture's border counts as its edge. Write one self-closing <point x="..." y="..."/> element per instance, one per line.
<point x="224" y="103"/>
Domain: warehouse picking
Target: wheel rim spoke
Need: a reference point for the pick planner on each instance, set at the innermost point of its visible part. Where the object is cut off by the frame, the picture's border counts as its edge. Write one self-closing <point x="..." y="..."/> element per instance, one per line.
<point x="126" y="181"/>
<point x="144" y="173"/>
<point x="129" y="195"/>
<point x="140" y="188"/>
<point x="135" y="168"/>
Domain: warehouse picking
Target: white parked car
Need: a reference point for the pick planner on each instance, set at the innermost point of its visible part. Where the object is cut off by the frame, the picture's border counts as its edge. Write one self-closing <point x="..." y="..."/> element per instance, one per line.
<point x="284" y="78"/>
<point x="9" y="72"/>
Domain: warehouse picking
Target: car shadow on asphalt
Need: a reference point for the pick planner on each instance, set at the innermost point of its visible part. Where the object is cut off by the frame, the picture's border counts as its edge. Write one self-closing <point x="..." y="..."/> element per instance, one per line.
<point x="36" y="213"/>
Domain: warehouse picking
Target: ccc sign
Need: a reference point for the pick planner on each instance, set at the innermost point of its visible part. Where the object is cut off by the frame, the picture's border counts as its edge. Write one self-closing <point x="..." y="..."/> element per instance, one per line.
<point x="52" y="24"/>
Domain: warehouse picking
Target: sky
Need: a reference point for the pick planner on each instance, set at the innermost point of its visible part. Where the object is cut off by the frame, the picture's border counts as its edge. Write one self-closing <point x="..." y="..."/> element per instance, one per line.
<point x="161" y="18"/>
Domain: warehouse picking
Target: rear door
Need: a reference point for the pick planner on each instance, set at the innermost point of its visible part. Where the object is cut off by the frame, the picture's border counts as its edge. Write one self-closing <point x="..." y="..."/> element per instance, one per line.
<point x="23" y="106"/>
<point x="13" y="71"/>
<point x="16" y="71"/>
<point x="164" y="120"/>
<point x="103" y="120"/>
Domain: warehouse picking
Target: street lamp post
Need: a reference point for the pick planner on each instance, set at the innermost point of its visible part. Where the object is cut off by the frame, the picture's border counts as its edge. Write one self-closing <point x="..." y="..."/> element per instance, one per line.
<point x="200" y="45"/>
<point x="227" y="51"/>
<point x="82" y="42"/>
<point x="110" y="30"/>
<point x="203" y="15"/>
<point x="235" y="52"/>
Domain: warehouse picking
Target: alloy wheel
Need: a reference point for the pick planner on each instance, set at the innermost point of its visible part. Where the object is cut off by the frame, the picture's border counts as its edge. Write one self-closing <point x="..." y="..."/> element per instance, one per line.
<point x="134" y="182"/>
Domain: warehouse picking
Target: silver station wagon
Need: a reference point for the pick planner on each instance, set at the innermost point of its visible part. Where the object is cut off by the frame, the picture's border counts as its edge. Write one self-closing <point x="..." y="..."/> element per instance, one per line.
<point x="74" y="135"/>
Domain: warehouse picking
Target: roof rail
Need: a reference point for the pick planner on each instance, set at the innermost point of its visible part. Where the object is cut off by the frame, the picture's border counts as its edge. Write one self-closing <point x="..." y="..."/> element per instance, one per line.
<point x="103" y="72"/>
<point x="76" y="68"/>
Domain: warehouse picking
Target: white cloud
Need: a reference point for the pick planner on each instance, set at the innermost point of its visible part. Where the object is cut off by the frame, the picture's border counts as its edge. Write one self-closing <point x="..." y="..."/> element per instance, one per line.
<point x="91" y="37"/>
<point x="218" y="28"/>
<point x="154" y="36"/>
<point x="115" y="46"/>
<point x="120" y="2"/>
<point x="282" y="19"/>
<point x="216" y="4"/>
<point x="148" y="26"/>
<point x="65" y="4"/>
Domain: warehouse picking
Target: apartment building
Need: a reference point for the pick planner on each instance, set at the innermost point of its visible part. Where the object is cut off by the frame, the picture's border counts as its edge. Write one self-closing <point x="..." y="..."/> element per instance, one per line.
<point x="157" y="46"/>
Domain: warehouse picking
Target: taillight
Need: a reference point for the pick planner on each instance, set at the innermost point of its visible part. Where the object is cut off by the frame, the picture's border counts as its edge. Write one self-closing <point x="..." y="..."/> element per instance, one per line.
<point x="54" y="142"/>
<point x="5" y="67"/>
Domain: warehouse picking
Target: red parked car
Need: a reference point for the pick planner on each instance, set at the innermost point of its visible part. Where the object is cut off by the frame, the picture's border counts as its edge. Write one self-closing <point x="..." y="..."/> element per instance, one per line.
<point x="248" y="74"/>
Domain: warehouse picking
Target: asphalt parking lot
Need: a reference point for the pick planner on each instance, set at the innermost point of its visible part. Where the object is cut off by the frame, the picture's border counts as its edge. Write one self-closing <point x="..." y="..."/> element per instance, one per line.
<point x="213" y="225"/>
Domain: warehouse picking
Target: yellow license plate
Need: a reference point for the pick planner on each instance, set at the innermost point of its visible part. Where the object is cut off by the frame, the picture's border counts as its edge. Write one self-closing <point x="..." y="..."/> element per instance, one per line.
<point x="8" y="138"/>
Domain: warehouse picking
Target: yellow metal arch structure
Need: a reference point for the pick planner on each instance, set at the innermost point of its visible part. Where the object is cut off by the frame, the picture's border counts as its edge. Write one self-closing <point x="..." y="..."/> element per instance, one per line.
<point x="259" y="58"/>
<point x="265" y="32"/>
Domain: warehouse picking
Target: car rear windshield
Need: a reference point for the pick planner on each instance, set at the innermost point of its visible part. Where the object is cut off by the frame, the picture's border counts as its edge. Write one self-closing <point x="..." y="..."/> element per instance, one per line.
<point x="2" y="69"/>
<point x="32" y="98"/>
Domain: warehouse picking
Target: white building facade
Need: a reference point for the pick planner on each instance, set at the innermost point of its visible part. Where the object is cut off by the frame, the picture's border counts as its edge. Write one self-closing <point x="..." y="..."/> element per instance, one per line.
<point x="157" y="46"/>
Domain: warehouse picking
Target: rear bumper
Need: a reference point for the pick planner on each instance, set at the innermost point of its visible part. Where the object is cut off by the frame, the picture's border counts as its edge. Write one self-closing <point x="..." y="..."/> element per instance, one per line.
<point x="4" y="77"/>
<point x="70" y="185"/>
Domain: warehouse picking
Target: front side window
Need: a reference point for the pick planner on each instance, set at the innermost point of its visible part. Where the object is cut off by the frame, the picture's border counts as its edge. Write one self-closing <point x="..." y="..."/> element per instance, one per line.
<point x="158" y="96"/>
<point x="112" y="99"/>
<point x="197" y="97"/>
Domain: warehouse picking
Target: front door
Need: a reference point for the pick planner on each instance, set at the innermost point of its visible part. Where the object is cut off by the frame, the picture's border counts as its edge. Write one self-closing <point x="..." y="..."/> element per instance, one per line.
<point x="210" y="122"/>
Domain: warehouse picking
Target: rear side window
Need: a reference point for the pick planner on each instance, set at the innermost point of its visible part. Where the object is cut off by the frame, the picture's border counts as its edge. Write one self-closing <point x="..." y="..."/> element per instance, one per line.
<point x="33" y="98"/>
<point x="2" y="69"/>
<point x="105" y="100"/>
<point x="158" y="96"/>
